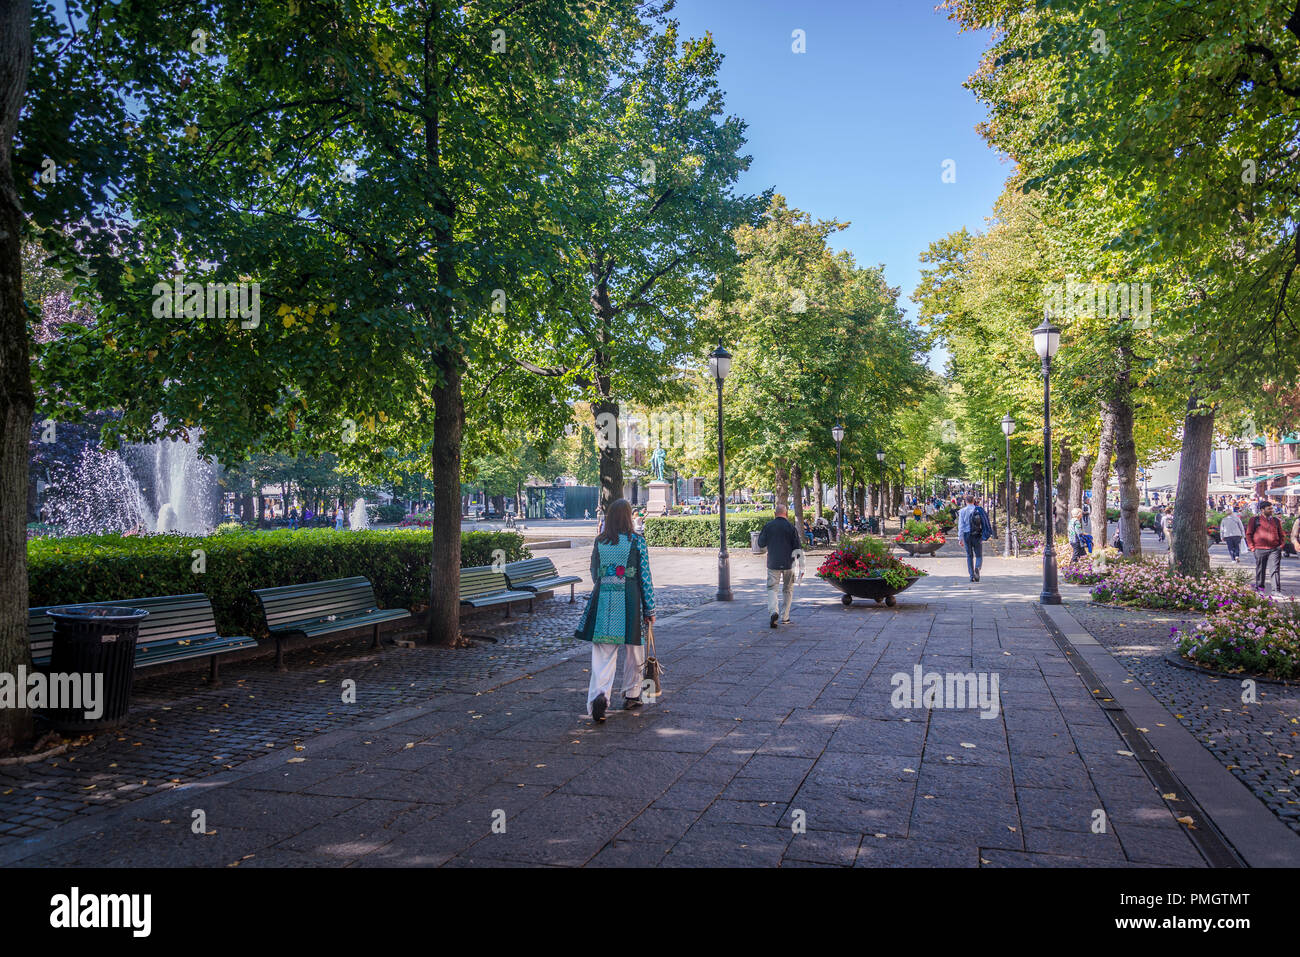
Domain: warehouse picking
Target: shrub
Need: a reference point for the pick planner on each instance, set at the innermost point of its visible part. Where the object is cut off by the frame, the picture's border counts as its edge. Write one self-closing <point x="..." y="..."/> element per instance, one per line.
<point x="64" y="571"/>
<point x="1263" y="639"/>
<point x="389" y="514"/>
<point x="701" y="531"/>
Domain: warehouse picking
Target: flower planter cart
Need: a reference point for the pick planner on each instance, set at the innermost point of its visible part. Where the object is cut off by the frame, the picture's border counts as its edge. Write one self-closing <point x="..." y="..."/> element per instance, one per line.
<point x="875" y="589"/>
<point x="920" y="548"/>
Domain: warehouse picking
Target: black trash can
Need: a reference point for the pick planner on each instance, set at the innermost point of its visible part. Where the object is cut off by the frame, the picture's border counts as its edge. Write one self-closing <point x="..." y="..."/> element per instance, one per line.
<point x="90" y="641"/>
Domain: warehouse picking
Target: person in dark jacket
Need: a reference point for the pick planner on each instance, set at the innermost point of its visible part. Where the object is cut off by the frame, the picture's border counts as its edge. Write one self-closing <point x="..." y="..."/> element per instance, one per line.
<point x="784" y="550"/>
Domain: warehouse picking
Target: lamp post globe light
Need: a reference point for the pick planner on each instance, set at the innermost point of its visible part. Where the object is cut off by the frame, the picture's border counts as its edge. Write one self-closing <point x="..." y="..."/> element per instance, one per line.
<point x="719" y="366"/>
<point x="838" y="434"/>
<point x="1008" y="426"/>
<point x="1047" y="339"/>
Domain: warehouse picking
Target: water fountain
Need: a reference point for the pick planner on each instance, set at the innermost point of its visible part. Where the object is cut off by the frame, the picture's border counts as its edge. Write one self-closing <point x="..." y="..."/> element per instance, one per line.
<point x="358" y="518"/>
<point x="161" y="486"/>
<point x="183" y="483"/>
<point x="96" y="494"/>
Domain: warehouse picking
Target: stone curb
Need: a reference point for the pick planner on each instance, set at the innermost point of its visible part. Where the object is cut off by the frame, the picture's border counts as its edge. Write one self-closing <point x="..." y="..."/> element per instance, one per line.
<point x="1254" y="832"/>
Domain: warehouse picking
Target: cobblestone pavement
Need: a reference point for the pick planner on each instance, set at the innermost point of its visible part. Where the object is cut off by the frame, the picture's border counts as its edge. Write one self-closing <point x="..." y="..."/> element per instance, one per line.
<point x="1257" y="742"/>
<point x="181" y="731"/>
<point x="769" y="747"/>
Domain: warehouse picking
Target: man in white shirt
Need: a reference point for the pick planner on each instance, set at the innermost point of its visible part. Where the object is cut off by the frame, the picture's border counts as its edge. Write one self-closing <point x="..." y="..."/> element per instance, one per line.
<point x="1232" y="532"/>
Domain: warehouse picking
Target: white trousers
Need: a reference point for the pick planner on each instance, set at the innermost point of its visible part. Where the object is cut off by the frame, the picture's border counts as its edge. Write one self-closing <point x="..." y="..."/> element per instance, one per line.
<point x="604" y="662"/>
<point x="775" y="578"/>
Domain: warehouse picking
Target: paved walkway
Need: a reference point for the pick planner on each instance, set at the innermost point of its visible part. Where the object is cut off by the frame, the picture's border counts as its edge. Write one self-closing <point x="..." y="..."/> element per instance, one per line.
<point x="769" y="748"/>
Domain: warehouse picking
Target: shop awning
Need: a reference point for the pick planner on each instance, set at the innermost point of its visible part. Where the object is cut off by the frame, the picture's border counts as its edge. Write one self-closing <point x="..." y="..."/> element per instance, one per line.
<point x="1268" y="478"/>
<point x="1291" y="440"/>
<point x="1258" y="440"/>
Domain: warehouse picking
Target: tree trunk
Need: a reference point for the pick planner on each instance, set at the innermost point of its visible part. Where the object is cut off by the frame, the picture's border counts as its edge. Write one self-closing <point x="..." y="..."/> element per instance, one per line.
<point x="605" y="409"/>
<point x="1041" y="506"/>
<point x="782" y="483"/>
<point x="1130" y="531"/>
<point x="796" y="476"/>
<point x="16" y="398"/>
<point x="1078" y="471"/>
<point x="1191" y="545"/>
<point x="817" y="493"/>
<point x="443" y="626"/>
<point x="1063" y="487"/>
<point x="1101" y="476"/>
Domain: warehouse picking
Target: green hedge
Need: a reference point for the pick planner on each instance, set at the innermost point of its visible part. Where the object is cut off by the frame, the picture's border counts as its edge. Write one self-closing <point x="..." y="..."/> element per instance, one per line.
<point x="701" y="531"/>
<point x="64" y="571"/>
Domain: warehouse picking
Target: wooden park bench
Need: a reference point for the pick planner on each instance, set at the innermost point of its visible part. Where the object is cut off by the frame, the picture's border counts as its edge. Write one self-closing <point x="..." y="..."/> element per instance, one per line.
<point x="178" y="628"/>
<point x="537" y="575"/>
<point x="480" y="587"/>
<point x="322" y="608"/>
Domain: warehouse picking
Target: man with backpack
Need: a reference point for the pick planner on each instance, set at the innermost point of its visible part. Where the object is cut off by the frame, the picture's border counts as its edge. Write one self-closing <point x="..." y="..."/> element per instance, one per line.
<point x="975" y="529"/>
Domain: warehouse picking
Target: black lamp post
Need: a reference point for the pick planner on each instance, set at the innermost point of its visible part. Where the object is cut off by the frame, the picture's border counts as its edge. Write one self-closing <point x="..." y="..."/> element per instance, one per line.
<point x="719" y="366"/>
<point x="880" y="499"/>
<point x="838" y="434"/>
<point x="1047" y="339"/>
<point x="1008" y="426"/>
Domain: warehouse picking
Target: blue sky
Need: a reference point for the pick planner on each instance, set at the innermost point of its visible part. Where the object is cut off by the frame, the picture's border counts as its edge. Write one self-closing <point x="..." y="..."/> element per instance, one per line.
<point x="858" y="127"/>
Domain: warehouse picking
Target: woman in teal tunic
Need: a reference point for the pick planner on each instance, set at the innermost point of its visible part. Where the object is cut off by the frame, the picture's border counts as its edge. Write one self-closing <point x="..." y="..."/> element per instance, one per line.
<point x="622" y="595"/>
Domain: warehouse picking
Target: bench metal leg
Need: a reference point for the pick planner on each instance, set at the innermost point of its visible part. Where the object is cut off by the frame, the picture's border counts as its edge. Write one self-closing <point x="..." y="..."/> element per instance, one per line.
<point x="507" y="604"/>
<point x="530" y="606"/>
<point x="279" y="654"/>
<point x="214" y="674"/>
<point x="375" y="643"/>
<point x="571" y="593"/>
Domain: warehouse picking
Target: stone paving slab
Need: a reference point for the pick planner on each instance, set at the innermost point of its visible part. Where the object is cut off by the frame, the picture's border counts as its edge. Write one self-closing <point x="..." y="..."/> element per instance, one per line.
<point x="770" y="748"/>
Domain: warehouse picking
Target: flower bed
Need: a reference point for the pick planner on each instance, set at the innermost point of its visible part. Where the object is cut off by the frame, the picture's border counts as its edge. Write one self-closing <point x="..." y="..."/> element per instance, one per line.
<point x="867" y="557"/>
<point x="1153" y="584"/>
<point x="1088" y="570"/>
<point x="1262" y="639"/>
<point x="920" y="533"/>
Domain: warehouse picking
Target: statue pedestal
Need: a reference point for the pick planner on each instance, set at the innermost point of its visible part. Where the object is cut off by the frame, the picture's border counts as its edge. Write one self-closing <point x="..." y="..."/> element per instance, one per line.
<point x="661" y="495"/>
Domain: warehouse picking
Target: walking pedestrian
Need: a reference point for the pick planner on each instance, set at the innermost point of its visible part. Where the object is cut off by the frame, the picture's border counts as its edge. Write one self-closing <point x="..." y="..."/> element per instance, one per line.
<point x="1232" y="532"/>
<point x="1167" y="523"/>
<point x="1264" y="538"/>
<point x="622" y="595"/>
<point x="784" y="550"/>
<point x="974" y="529"/>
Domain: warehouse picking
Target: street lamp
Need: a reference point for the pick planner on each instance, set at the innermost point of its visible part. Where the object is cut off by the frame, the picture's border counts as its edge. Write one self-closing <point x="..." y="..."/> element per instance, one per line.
<point x="1008" y="426"/>
<point x="719" y="366"/>
<point x="838" y="434"/>
<point x="1047" y="339"/>
<point x="880" y="498"/>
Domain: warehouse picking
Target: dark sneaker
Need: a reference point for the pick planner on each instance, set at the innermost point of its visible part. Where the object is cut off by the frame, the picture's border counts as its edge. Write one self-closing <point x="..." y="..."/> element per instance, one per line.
<point x="631" y="704"/>
<point x="773" y="619"/>
<point x="977" y="574"/>
<point x="598" y="708"/>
